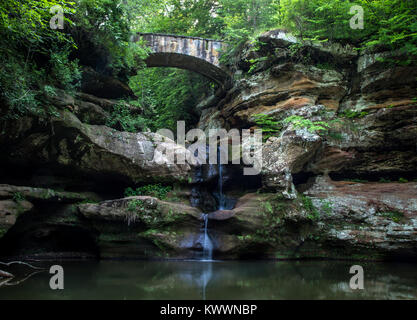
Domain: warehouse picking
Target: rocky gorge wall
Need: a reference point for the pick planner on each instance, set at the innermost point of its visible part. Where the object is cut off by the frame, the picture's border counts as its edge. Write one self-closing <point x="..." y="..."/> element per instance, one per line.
<point x="347" y="193"/>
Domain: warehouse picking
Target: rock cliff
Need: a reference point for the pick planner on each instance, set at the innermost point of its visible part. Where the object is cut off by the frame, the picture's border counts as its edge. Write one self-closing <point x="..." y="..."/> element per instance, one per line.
<point x="338" y="177"/>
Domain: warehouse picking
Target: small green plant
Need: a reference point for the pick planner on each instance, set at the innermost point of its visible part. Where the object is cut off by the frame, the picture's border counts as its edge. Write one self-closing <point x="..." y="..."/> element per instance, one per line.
<point x="383" y="180"/>
<point x="18" y="197"/>
<point x="121" y="118"/>
<point x="135" y="205"/>
<point x="336" y="135"/>
<point x="268" y="124"/>
<point x="351" y="114"/>
<point x="312" y="126"/>
<point x="255" y="63"/>
<point x="395" y="216"/>
<point x="402" y="180"/>
<point x="326" y="206"/>
<point x="312" y="212"/>
<point x="154" y="190"/>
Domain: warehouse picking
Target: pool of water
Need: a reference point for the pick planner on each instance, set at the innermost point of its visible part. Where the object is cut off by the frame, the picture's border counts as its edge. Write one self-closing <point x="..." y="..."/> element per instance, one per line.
<point x="176" y="280"/>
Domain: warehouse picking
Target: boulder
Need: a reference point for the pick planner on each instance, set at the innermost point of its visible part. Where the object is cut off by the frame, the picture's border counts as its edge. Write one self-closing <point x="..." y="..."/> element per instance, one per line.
<point x="142" y="209"/>
<point x="220" y="215"/>
<point x="72" y="147"/>
<point x="144" y="227"/>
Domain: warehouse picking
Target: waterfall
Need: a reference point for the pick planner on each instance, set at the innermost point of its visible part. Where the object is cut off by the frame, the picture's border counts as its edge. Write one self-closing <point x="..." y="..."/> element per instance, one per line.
<point x="220" y="185"/>
<point x="207" y="244"/>
<point x="220" y="181"/>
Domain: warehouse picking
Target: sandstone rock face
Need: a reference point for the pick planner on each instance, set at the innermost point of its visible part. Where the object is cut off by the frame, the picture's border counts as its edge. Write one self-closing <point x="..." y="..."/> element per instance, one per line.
<point x="286" y="155"/>
<point x="364" y="221"/>
<point x="370" y="107"/>
<point x="380" y="218"/>
<point x="144" y="227"/>
<point x="95" y="151"/>
<point x="369" y="104"/>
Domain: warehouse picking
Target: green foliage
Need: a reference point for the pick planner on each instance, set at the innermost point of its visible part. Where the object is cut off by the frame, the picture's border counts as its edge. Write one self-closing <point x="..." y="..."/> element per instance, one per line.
<point x="121" y="118"/>
<point x="255" y="63"/>
<point x="66" y="73"/>
<point x="312" y="212"/>
<point x="17" y="197"/>
<point x="395" y="216"/>
<point x="34" y="57"/>
<point x="272" y="211"/>
<point x="312" y="126"/>
<point x="389" y="24"/>
<point x="326" y="206"/>
<point x="351" y="114"/>
<point x="169" y="95"/>
<point x="402" y="180"/>
<point x="268" y="124"/>
<point x="135" y="206"/>
<point x="153" y="190"/>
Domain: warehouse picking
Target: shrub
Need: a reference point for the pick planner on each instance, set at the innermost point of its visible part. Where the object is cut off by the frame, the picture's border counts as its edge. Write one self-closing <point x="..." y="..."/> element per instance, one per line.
<point x="153" y="190"/>
<point x="121" y="118"/>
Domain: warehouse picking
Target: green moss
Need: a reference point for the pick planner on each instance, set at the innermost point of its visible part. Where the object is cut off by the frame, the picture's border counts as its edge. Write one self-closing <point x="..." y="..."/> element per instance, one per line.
<point x="312" y="212"/>
<point x="351" y="114"/>
<point x="395" y="216"/>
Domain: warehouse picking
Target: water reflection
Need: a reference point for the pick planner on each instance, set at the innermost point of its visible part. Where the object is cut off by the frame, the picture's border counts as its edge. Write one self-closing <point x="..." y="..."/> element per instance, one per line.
<point x="219" y="280"/>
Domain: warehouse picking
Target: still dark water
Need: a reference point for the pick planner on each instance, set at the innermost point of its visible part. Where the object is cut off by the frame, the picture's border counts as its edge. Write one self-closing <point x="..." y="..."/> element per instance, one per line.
<point x="219" y="280"/>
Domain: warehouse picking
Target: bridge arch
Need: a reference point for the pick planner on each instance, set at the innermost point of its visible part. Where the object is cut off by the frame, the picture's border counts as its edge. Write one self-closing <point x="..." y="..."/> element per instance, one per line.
<point x="192" y="53"/>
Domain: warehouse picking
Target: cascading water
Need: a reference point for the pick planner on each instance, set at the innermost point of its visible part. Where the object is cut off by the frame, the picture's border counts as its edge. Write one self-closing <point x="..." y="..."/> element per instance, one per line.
<point x="220" y="185"/>
<point x="207" y="244"/>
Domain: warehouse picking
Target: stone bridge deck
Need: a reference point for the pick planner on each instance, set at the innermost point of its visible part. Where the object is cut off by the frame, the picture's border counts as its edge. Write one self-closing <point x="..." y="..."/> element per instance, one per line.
<point x="191" y="53"/>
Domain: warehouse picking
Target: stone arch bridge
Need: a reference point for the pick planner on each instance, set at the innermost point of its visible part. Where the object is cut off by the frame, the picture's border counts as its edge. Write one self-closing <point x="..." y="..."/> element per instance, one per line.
<point x="191" y="53"/>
